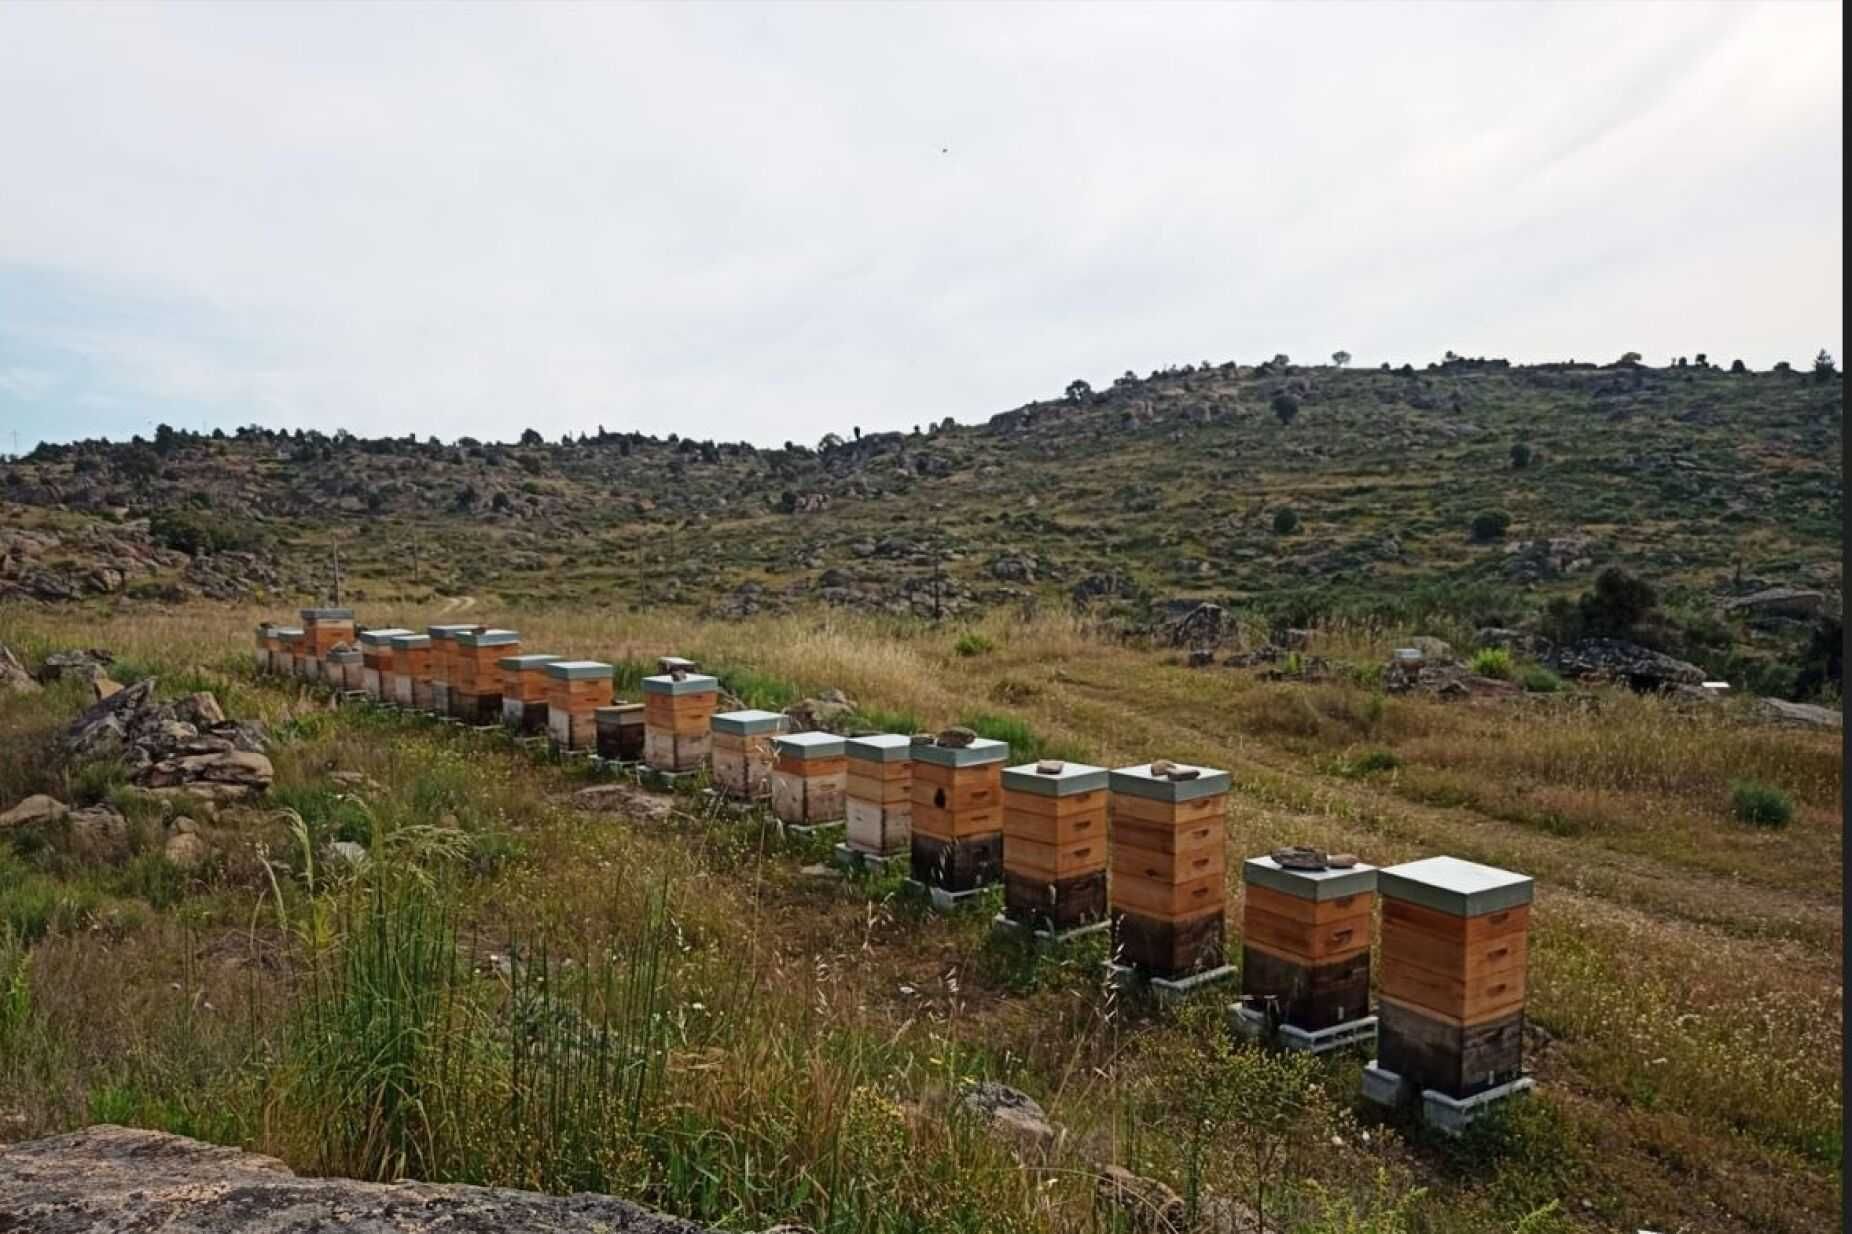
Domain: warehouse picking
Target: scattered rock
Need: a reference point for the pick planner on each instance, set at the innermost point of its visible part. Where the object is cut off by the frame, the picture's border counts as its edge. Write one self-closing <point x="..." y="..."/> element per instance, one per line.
<point x="186" y="849"/>
<point x="627" y="798"/>
<point x="1515" y="640"/>
<point x="1049" y="767"/>
<point x="103" y="687"/>
<point x="37" y="808"/>
<point x="1299" y="857"/>
<point x="188" y="745"/>
<point x="923" y="739"/>
<point x="13" y="674"/>
<point x="1012" y="1115"/>
<point x="346" y="854"/>
<point x="1433" y="650"/>
<point x="1616" y="659"/>
<point x="1291" y="639"/>
<point x="956" y="737"/>
<point x="1794" y="602"/>
<point x="99" y="836"/>
<point x="1144" y="1204"/>
<point x="826" y="713"/>
<point x="111" y="1180"/>
<point x="1206" y="625"/>
<point x="1780" y="711"/>
<point x="88" y="665"/>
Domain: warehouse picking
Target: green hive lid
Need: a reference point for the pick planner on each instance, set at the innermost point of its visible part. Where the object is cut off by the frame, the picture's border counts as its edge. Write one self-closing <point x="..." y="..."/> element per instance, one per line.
<point x="402" y="642"/>
<point x="313" y="615"/>
<point x="1073" y="778"/>
<point x="981" y="751"/>
<point x="1458" y="888"/>
<point x="809" y="745"/>
<point x="748" y="723"/>
<point x="520" y="664"/>
<point x="880" y="748"/>
<point x="693" y="683"/>
<point x="487" y="638"/>
<point x="1139" y="782"/>
<point x="381" y="638"/>
<point x="578" y="670"/>
<point x="1309" y="884"/>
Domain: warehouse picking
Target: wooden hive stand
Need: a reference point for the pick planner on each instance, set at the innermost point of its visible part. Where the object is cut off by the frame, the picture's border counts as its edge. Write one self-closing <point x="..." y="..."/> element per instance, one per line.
<point x="376" y="662"/>
<point x="322" y="630"/>
<point x="877" y="798"/>
<point x="524" y="693"/>
<point x="1169" y="898"/>
<point x="411" y="670"/>
<point x="1450" y="1011"/>
<point x="476" y="679"/>
<point x="620" y="732"/>
<point x="1305" y="954"/>
<point x="957" y="818"/>
<point x="677" y="714"/>
<point x="1054" y="848"/>
<point x="444" y="664"/>
<point x="810" y="775"/>
<point x="576" y="689"/>
<point x="743" y="751"/>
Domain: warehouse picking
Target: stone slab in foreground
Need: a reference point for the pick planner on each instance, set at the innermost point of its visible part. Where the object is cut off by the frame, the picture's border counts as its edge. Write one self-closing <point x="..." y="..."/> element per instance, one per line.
<point x="105" y="1180"/>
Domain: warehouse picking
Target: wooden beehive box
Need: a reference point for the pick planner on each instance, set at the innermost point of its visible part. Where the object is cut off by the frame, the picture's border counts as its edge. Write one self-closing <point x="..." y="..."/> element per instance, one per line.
<point x="342" y="668"/>
<point x="810" y="774"/>
<point x="1054" y="845"/>
<point x="289" y="662"/>
<point x="878" y="794"/>
<point x="411" y="670"/>
<point x="620" y="732"/>
<point x="742" y="749"/>
<point x="1168" y="864"/>
<point x="1305" y="941"/>
<point x="444" y="663"/>
<point x="376" y="662"/>
<point x="476" y="677"/>
<point x="576" y="689"/>
<point x="1455" y="950"/>
<point x="957" y="816"/>
<point x="325" y="628"/>
<point x="266" y="641"/>
<point x="677" y="718"/>
<point x="524" y="692"/>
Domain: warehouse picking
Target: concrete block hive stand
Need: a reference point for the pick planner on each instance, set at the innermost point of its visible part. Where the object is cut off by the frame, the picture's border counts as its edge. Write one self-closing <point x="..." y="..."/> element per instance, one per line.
<point x="1169" y="839"/>
<point x="957" y="819"/>
<point x="1054" y="850"/>
<point x="1305" y="953"/>
<point x="1450" y="1008"/>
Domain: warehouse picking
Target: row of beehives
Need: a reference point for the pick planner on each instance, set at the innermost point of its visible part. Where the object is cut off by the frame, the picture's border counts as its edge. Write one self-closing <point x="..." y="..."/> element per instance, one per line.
<point x="1140" y="850"/>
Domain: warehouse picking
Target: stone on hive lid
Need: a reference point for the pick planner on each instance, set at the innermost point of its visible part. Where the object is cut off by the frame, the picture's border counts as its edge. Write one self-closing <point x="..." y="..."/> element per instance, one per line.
<point x="810" y="745"/>
<point x="1322" y="884"/>
<point x="1069" y="779"/>
<point x="981" y="750"/>
<point x="1141" y="781"/>
<point x="668" y="664"/>
<point x="880" y="748"/>
<point x="956" y="736"/>
<point x="1456" y="887"/>
<point x="692" y="683"/>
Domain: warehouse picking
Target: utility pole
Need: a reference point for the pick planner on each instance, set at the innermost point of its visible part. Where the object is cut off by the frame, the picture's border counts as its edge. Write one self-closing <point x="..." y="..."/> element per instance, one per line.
<point x="337" y="576"/>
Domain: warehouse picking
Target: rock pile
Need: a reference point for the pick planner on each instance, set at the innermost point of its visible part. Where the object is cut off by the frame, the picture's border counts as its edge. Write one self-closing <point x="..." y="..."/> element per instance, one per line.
<point x="1614" y="659"/>
<point x="171" y="748"/>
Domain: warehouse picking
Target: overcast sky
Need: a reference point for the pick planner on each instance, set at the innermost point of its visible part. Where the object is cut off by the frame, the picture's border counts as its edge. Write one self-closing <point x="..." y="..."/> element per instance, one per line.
<point x="769" y="222"/>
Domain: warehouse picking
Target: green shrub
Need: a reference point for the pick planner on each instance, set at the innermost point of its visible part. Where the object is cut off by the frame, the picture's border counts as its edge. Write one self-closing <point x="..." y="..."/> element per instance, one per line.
<point x="1490" y="525"/>
<point x="1285" y="522"/>
<point x="971" y="643"/>
<point x="883" y="720"/>
<point x="1540" y="680"/>
<point x="1759" y="804"/>
<point x="1492" y="662"/>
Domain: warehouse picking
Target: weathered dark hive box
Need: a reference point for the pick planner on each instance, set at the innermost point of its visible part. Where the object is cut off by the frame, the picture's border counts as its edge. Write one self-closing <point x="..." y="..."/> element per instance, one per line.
<point x="957" y="817"/>
<point x="1455" y="950"/>
<point x="524" y="692"/>
<point x="576" y="689"/>
<point x="1305" y="941"/>
<point x="810" y="773"/>
<point x="742" y="746"/>
<point x="878" y="794"/>
<point x="476" y="679"/>
<point x="677" y="720"/>
<point x="1169" y="842"/>
<point x="1054" y="845"/>
<point x="620" y="732"/>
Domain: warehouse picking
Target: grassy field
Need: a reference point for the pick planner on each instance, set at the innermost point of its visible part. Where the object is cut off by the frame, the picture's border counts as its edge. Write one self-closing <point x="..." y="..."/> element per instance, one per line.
<point x="671" y="1008"/>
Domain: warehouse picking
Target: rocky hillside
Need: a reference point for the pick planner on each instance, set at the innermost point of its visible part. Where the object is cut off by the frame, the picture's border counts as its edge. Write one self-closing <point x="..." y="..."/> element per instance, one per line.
<point x="1470" y="488"/>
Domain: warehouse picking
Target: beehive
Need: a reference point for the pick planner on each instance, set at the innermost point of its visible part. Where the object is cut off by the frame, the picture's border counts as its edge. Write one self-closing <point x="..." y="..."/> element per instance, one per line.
<point x="444" y="663"/>
<point x="742" y="748"/>
<point x="810" y="773"/>
<point x="620" y="732"/>
<point x="1168" y="865"/>
<point x="476" y="674"/>
<point x="677" y="715"/>
<point x="878" y="795"/>
<point x="411" y="670"/>
<point x="524" y="692"/>
<point x="265" y="642"/>
<point x="290" y="651"/>
<point x="576" y="689"/>
<point x="376" y="662"/>
<point x="1305" y="941"/>
<point x="322" y="630"/>
<point x="1455" y="949"/>
<point x="342" y="668"/>
<point x="1054" y="845"/>
<point x="957" y="815"/>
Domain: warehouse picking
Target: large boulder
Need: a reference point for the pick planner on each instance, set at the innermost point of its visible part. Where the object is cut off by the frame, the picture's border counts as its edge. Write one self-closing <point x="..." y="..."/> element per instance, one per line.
<point x="1616" y="659"/>
<point x="114" y="1180"/>
<point x="1794" y="602"/>
<point x="1776" y="711"/>
<point x="37" y="808"/>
